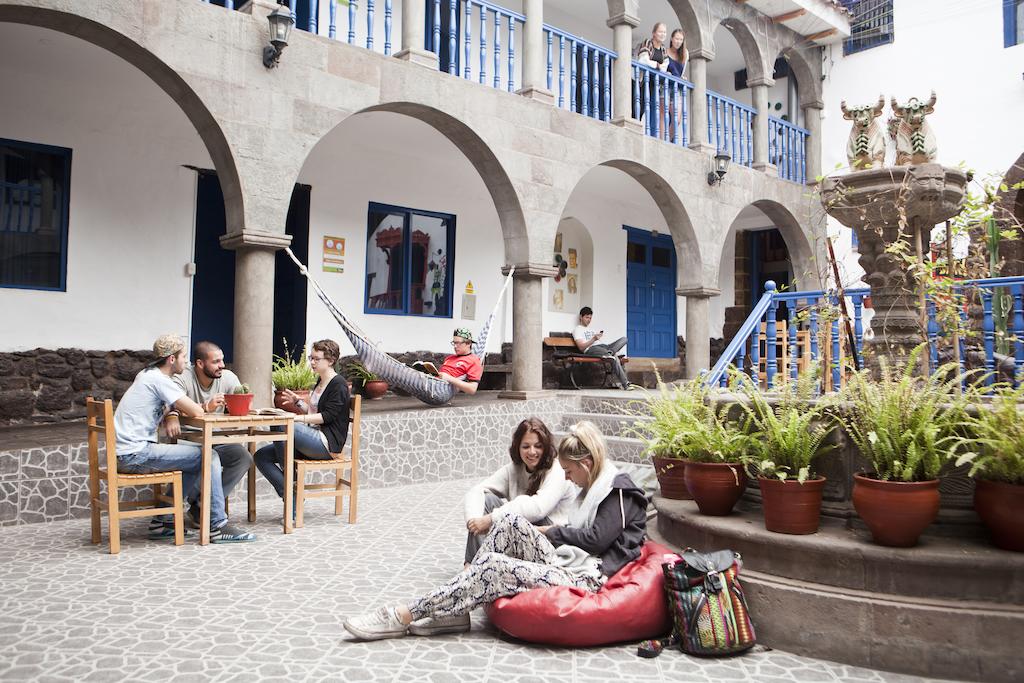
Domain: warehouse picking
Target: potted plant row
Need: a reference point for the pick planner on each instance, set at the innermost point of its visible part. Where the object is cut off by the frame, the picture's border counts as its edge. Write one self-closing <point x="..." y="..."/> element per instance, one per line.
<point x="365" y="381"/>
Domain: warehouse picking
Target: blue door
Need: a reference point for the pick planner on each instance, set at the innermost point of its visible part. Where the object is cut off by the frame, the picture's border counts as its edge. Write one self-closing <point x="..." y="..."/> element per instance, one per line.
<point x="650" y="294"/>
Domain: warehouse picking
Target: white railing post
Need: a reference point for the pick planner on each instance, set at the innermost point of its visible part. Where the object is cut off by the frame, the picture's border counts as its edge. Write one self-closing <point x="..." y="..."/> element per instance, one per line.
<point x="535" y="54"/>
<point x="622" y="26"/>
<point x="413" y="38"/>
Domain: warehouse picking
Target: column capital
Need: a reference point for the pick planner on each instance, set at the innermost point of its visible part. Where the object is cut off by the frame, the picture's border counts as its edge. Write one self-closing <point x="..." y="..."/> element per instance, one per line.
<point x="812" y="104"/>
<point x="255" y="239"/>
<point x="699" y="292"/>
<point x="531" y="270"/>
<point x="704" y="53"/>
<point x="761" y="80"/>
<point x="623" y="18"/>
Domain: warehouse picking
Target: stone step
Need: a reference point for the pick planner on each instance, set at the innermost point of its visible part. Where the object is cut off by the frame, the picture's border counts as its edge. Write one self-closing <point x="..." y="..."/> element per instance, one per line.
<point x="610" y="424"/>
<point x="618" y="403"/>
<point x="620" y="448"/>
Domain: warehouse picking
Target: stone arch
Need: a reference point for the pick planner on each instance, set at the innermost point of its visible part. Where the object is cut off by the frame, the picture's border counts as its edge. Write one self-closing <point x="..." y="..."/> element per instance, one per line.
<point x="753" y="55"/>
<point x="807" y="78"/>
<point x="801" y="251"/>
<point x="698" y="33"/>
<point x="480" y="155"/>
<point x="165" y="77"/>
<point x="690" y="274"/>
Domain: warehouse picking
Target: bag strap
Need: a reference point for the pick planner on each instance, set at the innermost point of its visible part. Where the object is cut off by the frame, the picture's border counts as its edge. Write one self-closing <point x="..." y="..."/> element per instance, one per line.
<point x="649" y="649"/>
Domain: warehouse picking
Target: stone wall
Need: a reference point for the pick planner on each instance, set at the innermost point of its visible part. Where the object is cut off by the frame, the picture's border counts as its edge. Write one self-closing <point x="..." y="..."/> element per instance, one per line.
<point x="45" y="385"/>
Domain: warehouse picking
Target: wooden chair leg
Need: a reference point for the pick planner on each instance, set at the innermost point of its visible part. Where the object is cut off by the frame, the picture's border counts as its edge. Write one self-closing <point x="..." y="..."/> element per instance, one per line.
<point x="179" y="517"/>
<point x="300" y="493"/>
<point x="339" y="497"/>
<point x="94" y="495"/>
<point x="114" y="515"/>
<point x="252" y="493"/>
<point x="352" y="493"/>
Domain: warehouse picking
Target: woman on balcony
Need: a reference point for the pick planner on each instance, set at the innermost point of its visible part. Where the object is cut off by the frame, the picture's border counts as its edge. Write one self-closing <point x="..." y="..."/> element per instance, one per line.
<point x="653" y="53"/>
<point x="532" y="485"/>
<point x="606" y="528"/>
<point x="677" y="53"/>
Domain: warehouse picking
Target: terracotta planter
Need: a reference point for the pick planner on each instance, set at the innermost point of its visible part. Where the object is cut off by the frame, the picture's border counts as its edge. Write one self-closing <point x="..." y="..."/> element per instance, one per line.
<point x="896" y="512"/>
<point x="238" y="404"/>
<point x="282" y="402"/>
<point x="791" y="507"/>
<point x="374" y="389"/>
<point x="715" y="486"/>
<point x="672" y="477"/>
<point x="1001" y="508"/>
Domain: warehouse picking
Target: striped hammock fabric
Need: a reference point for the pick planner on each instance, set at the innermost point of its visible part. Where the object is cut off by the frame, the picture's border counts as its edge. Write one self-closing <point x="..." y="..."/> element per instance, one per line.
<point x="429" y="389"/>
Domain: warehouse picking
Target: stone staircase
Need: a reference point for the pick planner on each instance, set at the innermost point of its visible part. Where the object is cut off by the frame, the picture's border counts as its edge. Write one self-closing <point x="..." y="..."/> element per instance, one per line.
<point x="613" y="415"/>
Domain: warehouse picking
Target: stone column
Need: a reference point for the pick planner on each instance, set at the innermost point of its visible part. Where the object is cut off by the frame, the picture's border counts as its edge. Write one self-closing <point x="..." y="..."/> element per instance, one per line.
<point x="698" y="329"/>
<point x="622" y="26"/>
<point x="413" y="25"/>
<point x="254" y="307"/>
<point x="535" y="54"/>
<point x="527" y="330"/>
<point x="812" y="122"/>
<point x="698" y="124"/>
<point x="759" y="93"/>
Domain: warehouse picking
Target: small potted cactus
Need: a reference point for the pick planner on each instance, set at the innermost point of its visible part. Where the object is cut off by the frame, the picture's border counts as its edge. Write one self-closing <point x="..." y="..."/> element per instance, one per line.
<point x="239" y="401"/>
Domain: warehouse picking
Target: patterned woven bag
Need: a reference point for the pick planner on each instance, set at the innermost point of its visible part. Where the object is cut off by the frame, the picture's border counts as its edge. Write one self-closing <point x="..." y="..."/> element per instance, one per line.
<point x="709" y="611"/>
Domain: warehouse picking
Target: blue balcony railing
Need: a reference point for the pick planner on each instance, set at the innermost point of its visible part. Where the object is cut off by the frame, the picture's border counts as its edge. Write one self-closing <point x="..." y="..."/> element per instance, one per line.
<point x="662" y="101"/>
<point x="1002" y="325"/>
<point x="477" y="40"/>
<point x="730" y="128"/>
<point x="787" y="149"/>
<point x="579" y="74"/>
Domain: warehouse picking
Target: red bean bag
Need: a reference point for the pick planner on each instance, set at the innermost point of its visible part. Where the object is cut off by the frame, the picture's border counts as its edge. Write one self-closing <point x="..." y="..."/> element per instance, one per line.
<point x="629" y="607"/>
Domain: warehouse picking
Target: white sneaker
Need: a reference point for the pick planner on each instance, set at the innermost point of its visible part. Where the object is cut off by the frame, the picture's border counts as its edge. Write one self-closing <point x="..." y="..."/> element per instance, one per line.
<point x="434" y="626"/>
<point x="377" y="625"/>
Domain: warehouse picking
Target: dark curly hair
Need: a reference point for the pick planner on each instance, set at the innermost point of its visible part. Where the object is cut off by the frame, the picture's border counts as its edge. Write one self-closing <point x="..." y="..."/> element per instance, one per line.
<point x="547" y="458"/>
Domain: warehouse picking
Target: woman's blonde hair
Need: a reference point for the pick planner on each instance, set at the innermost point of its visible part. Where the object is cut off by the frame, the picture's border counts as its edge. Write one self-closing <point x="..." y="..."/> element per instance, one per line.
<point x="584" y="439"/>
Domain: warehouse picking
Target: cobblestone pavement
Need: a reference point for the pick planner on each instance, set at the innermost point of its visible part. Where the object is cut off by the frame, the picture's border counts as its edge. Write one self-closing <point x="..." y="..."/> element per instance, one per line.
<point x="273" y="609"/>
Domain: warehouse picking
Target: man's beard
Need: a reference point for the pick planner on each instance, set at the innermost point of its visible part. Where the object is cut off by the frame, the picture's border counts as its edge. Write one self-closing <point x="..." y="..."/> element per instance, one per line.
<point x="206" y="373"/>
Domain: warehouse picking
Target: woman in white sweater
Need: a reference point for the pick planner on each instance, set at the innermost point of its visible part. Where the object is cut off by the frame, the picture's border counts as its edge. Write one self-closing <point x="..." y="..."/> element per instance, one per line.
<point x="532" y="485"/>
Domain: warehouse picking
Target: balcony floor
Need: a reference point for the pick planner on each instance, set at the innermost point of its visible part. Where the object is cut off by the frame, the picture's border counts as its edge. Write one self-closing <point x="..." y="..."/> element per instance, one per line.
<point x="273" y="609"/>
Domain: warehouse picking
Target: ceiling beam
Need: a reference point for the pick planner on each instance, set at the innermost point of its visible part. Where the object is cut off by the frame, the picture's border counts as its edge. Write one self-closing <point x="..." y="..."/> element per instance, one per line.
<point x="821" y="34"/>
<point x="789" y="15"/>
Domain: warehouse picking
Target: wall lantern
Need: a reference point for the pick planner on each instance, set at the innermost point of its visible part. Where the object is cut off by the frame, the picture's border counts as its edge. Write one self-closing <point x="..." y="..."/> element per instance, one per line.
<point x="721" y="166"/>
<point x="281" y="22"/>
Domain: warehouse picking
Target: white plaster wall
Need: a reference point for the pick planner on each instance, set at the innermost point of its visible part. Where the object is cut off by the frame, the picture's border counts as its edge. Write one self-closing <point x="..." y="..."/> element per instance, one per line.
<point x="394" y="159"/>
<point x="131" y="202"/>
<point x="955" y="49"/>
<point x="575" y="237"/>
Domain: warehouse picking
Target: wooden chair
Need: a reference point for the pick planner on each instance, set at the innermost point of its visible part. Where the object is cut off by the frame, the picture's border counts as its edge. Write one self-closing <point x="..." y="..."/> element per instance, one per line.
<point x="338" y="462"/>
<point x="101" y="421"/>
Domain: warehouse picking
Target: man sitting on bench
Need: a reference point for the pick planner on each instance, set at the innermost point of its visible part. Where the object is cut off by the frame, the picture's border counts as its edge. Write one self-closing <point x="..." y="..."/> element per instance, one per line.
<point x="587" y="342"/>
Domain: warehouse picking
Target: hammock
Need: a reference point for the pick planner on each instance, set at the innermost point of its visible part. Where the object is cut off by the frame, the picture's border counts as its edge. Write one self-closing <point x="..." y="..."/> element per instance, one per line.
<point x="427" y="388"/>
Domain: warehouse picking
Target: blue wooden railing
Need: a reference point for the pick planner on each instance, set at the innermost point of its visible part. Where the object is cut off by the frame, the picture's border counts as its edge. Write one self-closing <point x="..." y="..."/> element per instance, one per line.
<point x="787" y="149"/>
<point x="730" y="128"/>
<point x="665" y="103"/>
<point x="747" y="342"/>
<point x="484" y="47"/>
<point x="579" y="74"/>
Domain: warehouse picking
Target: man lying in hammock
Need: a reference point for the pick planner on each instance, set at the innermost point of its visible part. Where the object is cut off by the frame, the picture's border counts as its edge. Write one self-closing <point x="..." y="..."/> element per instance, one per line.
<point x="462" y="369"/>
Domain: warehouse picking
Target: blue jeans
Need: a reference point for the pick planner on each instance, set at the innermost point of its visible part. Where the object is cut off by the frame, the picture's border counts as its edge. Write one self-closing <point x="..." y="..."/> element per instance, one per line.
<point x="270" y="458"/>
<point x="161" y="457"/>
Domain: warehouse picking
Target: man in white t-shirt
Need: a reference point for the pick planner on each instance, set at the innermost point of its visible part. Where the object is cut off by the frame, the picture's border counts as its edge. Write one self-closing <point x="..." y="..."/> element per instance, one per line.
<point x="136" y="420"/>
<point x="587" y="341"/>
<point x="206" y="382"/>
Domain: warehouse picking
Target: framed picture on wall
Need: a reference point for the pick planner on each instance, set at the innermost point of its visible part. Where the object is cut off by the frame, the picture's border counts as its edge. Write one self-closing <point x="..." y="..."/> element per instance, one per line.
<point x="572" y="259"/>
<point x="571" y="283"/>
<point x="558" y="300"/>
<point x="558" y="242"/>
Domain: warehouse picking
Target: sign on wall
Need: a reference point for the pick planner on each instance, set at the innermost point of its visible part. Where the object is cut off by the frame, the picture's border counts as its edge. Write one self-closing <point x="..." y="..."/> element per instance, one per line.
<point x="334" y="254"/>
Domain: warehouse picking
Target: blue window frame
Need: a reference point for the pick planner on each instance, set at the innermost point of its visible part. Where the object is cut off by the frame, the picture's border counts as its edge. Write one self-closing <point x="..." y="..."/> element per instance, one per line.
<point x="35" y="184"/>
<point x="1013" y="22"/>
<point x="871" y="25"/>
<point x="410" y="261"/>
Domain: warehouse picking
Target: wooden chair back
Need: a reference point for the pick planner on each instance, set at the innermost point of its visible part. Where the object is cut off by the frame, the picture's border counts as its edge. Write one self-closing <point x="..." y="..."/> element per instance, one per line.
<point x="339" y="463"/>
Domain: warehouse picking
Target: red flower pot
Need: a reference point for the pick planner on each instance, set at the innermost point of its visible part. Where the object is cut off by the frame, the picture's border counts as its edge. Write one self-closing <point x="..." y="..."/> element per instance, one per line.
<point x="375" y="389"/>
<point x="238" y="404"/>
<point x="791" y="507"/>
<point x="672" y="477"/>
<point x="1001" y="508"/>
<point x="896" y="512"/>
<point x="715" y="486"/>
<point x="281" y="401"/>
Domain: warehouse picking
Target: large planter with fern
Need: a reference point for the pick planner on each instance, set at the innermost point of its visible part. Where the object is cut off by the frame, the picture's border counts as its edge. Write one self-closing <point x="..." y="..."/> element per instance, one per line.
<point x="791" y="506"/>
<point x="365" y="381"/>
<point x="910" y="430"/>
<point x="715" y="486"/>
<point x="996" y="455"/>
<point x="671" y="474"/>
<point x="296" y="376"/>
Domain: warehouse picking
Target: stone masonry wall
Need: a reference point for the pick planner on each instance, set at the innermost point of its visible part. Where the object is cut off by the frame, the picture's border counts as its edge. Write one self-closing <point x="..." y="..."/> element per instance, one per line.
<point x="45" y="385"/>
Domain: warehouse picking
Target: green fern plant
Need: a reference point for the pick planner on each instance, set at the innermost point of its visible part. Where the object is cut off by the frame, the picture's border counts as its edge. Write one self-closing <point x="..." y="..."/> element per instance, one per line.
<point x="908" y="428"/>
<point x="789" y="436"/>
<point x="294" y="375"/>
<point x="996" y="438"/>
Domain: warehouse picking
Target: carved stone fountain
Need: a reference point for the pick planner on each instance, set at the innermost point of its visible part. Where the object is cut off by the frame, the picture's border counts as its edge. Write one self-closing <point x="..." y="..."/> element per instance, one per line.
<point x="886" y="204"/>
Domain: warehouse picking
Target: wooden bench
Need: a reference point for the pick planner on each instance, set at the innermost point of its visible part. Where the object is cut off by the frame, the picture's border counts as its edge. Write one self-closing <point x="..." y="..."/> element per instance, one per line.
<point x="571" y="358"/>
<point x="504" y="369"/>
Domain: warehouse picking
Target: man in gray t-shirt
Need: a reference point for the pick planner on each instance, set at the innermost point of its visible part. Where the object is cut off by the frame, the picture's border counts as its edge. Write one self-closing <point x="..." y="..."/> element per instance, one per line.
<point x="206" y="382"/>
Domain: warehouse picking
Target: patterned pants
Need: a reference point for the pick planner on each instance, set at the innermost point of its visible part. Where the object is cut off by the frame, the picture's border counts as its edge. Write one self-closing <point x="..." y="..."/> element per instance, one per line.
<point x="513" y="558"/>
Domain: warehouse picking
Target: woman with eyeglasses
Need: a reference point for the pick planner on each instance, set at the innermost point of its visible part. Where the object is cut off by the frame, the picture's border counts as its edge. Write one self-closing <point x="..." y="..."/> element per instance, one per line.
<point x="462" y="369"/>
<point x="322" y="428"/>
<point x="605" y="529"/>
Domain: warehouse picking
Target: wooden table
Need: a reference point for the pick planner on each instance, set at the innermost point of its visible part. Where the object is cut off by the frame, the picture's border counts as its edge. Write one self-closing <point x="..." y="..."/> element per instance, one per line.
<point x="214" y="428"/>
